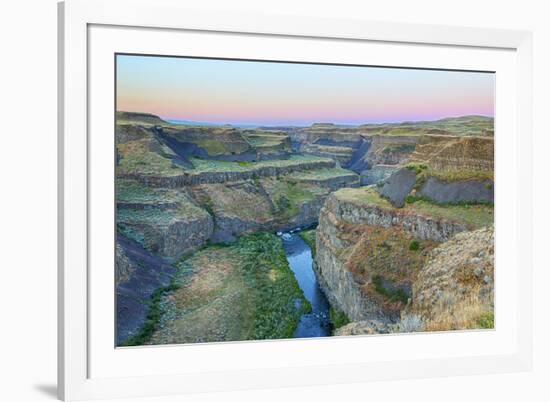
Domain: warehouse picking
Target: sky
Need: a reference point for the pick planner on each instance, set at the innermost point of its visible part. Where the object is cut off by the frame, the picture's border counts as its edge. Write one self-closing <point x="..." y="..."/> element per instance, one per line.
<point x="267" y="93"/>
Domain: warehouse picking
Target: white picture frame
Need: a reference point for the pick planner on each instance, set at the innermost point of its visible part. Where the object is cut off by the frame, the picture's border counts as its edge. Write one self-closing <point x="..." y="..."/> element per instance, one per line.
<point x="79" y="348"/>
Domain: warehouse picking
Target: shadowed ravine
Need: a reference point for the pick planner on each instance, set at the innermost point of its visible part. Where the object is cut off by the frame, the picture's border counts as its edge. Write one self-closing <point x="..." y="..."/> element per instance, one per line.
<point x="317" y="322"/>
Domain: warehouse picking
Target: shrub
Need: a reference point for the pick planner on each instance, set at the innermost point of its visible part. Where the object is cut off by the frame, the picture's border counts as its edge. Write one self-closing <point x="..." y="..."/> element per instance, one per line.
<point x="411" y="323"/>
<point x="486" y="321"/>
<point x="337" y="318"/>
<point x="209" y="206"/>
<point x="153" y="316"/>
<point x="275" y="315"/>
<point x="417" y="167"/>
<point x="283" y="203"/>
<point x="391" y="294"/>
<point x="414" y="245"/>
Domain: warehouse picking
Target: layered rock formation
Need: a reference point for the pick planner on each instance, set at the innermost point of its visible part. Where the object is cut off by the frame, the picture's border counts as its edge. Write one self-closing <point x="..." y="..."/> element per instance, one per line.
<point x="378" y="264"/>
<point x="180" y="187"/>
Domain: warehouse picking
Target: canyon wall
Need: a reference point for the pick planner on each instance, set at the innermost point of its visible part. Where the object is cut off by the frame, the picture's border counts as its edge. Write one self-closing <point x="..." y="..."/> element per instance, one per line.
<point x="369" y="254"/>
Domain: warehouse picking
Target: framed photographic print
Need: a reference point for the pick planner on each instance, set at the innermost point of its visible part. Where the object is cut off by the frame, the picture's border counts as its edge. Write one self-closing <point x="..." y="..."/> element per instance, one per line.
<point x="242" y="197"/>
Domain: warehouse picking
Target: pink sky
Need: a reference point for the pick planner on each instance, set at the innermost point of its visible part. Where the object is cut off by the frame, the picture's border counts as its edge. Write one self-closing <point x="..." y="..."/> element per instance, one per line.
<point x="245" y="92"/>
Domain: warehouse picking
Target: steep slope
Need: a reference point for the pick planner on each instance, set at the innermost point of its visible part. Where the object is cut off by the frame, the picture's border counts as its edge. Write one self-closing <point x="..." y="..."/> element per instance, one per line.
<point x="454" y="290"/>
<point x="369" y="254"/>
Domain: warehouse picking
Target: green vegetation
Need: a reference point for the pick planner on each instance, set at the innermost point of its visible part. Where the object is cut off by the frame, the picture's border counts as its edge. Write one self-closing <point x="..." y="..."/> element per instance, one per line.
<point x="309" y="237"/>
<point x="145" y="157"/>
<point x="288" y="196"/>
<point x="266" y="270"/>
<point x="236" y="292"/>
<point x="450" y="176"/>
<point x="486" y="321"/>
<point x="267" y="140"/>
<point x="392" y="294"/>
<point x="322" y="174"/>
<point x="132" y="192"/>
<point x="337" y="318"/>
<point x="414" y="245"/>
<point x="212" y="146"/>
<point x="203" y="165"/>
<point x="153" y="316"/>
<point x="424" y="171"/>
<point x="143" y="213"/>
<point x="401" y="148"/>
<point x="410" y="199"/>
<point x="459" y="126"/>
<point x="474" y="216"/>
<point x="417" y="167"/>
<point x="363" y="196"/>
<point x="382" y="259"/>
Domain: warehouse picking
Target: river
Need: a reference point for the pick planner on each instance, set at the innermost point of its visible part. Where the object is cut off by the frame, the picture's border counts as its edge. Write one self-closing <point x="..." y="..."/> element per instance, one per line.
<point x="317" y="322"/>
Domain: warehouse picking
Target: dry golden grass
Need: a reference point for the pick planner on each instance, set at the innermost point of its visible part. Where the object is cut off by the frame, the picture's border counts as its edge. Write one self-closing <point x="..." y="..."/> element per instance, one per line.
<point x="470" y="313"/>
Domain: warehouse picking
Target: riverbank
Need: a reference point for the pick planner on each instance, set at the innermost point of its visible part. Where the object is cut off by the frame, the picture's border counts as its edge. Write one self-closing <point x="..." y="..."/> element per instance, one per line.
<point x="244" y="291"/>
<point x="316" y="322"/>
<point x="261" y="287"/>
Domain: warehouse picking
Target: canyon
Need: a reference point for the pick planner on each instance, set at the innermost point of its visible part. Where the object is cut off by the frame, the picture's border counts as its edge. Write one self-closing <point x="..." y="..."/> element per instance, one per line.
<point x="197" y="258"/>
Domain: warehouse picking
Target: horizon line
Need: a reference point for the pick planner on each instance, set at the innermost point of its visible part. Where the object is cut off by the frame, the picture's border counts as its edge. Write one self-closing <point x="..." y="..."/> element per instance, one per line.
<point x="279" y="124"/>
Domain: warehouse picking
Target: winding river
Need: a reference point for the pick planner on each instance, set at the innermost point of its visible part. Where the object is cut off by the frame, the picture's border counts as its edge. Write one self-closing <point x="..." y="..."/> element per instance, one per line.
<point x="317" y="322"/>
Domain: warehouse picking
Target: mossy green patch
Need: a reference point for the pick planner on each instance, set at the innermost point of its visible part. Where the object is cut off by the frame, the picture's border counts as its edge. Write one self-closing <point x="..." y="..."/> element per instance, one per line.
<point x="486" y="321"/>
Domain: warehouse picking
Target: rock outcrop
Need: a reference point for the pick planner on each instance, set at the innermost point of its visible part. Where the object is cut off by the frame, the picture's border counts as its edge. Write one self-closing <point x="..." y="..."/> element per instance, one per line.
<point x="169" y="233"/>
<point x="455" y="153"/>
<point x="455" y="192"/>
<point x="192" y="178"/>
<point x="364" y="206"/>
<point x="398" y="186"/>
<point x="377" y="174"/>
<point x="369" y="254"/>
<point x="367" y="327"/>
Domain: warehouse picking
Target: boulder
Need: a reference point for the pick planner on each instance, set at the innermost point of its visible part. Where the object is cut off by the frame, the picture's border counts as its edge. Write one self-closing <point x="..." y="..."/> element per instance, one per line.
<point x="367" y="327"/>
<point x="398" y="186"/>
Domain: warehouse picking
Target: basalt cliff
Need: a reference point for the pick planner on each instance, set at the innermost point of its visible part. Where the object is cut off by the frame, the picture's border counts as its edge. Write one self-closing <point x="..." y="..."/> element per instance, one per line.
<point x="415" y="251"/>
